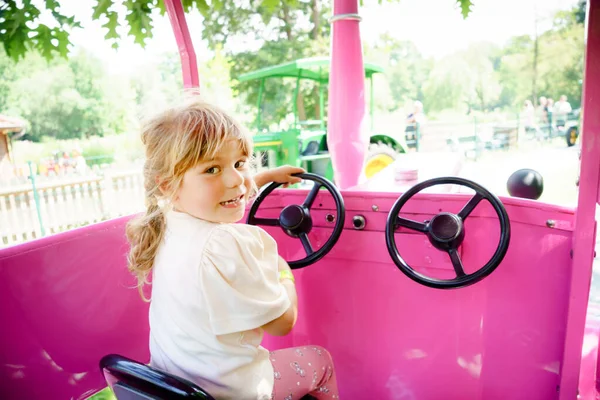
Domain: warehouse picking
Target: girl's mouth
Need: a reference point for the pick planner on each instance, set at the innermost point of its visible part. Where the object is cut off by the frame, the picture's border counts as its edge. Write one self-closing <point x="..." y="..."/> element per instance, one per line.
<point x="235" y="202"/>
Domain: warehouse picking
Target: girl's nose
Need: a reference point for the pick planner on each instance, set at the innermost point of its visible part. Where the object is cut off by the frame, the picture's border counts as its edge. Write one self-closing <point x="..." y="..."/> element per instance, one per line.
<point x="233" y="178"/>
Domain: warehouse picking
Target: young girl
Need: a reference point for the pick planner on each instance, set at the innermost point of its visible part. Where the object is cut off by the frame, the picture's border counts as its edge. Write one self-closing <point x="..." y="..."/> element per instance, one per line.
<point x="217" y="285"/>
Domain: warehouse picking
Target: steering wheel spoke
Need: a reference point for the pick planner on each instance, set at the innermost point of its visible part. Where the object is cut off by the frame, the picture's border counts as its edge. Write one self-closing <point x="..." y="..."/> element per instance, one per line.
<point x="411" y="224"/>
<point x="265" y="221"/>
<point x="312" y="195"/>
<point x="306" y="244"/>
<point x="457" y="263"/>
<point x="470" y="206"/>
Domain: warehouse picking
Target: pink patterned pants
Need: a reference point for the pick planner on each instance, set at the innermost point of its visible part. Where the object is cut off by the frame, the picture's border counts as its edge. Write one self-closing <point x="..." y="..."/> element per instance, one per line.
<point x="303" y="370"/>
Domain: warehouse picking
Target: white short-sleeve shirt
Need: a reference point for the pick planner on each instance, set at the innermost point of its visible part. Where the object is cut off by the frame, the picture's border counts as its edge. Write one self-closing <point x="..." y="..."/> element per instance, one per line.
<point x="213" y="287"/>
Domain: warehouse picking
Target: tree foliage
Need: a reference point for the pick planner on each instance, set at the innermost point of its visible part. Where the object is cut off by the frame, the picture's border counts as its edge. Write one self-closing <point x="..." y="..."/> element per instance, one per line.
<point x="82" y="100"/>
<point x="406" y="69"/>
<point x="64" y="99"/>
<point x="22" y="31"/>
<point x="485" y="77"/>
<point x="78" y="98"/>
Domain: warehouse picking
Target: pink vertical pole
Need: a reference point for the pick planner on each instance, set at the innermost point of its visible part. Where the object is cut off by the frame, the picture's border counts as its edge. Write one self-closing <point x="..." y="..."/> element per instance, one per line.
<point x="585" y="224"/>
<point x="346" y="139"/>
<point x="184" y="42"/>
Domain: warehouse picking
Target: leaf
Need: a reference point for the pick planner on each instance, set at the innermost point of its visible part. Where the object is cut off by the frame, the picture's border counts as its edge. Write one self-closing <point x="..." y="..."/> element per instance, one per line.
<point x="63" y="42"/>
<point x="140" y="23"/>
<point x="43" y="39"/>
<point x="465" y="7"/>
<point x="15" y="49"/>
<point x="14" y="24"/>
<point x="64" y="20"/>
<point x="202" y="6"/>
<point x="270" y="5"/>
<point x="18" y="37"/>
<point x="101" y="8"/>
<point x="52" y="4"/>
<point x="111" y="25"/>
<point x="267" y="9"/>
<point x="161" y="7"/>
<point x="217" y="5"/>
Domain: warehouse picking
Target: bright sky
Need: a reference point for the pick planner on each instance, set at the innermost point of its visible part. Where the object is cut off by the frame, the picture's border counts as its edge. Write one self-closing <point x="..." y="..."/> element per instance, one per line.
<point x="435" y="26"/>
<point x="438" y="28"/>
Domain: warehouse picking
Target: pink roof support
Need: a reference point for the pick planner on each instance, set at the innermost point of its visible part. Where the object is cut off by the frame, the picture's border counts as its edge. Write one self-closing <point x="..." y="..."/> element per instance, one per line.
<point x="585" y="224"/>
<point x="184" y="43"/>
<point x="347" y="139"/>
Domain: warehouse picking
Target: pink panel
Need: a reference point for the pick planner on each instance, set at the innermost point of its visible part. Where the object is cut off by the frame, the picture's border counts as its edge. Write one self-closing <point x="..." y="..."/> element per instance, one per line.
<point x="585" y="234"/>
<point x="589" y="355"/>
<point x="392" y="338"/>
<point x="346" y="139"/>
<point x="66" y="302"/>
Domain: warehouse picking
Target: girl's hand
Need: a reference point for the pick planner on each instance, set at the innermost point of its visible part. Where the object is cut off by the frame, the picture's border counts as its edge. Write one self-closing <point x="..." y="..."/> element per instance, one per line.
<point x="284" y="174"/>
<point x="281" y="174"/>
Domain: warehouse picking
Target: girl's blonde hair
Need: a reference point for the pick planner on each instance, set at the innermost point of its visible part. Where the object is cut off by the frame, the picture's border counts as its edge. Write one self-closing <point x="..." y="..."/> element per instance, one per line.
<point x="175" y="140"/>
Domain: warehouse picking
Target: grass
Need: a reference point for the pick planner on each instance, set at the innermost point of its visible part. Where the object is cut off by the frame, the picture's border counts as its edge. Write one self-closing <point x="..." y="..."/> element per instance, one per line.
<point x="105" y="394"/>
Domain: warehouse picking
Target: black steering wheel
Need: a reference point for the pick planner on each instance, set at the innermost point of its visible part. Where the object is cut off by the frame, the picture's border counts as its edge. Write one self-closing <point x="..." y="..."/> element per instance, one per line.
<point x="446" y="232"/>
<point x="296" y="221"/>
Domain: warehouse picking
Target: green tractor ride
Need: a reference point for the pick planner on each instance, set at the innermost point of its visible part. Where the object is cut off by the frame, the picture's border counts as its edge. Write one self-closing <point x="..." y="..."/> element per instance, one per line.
<point x="304" y="143"/>
<point x="571" y="127"/>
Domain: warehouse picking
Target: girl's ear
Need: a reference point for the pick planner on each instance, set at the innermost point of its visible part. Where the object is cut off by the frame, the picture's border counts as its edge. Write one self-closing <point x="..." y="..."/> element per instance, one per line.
<point x="162" y="186"/>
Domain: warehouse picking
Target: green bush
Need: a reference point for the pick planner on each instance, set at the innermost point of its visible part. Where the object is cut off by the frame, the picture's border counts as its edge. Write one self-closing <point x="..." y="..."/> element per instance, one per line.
<point x="97" y="152"/>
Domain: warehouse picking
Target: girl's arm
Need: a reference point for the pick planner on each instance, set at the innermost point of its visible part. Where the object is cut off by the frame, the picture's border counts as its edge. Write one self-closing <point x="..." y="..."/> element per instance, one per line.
<point x="283" y="325"/>
<point x="281" y="174"/>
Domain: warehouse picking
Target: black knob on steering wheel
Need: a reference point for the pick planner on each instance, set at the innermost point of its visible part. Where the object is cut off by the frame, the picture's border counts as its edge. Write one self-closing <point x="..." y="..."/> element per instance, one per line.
<point x="446" y="232"/>
<point x="296" y="221"/>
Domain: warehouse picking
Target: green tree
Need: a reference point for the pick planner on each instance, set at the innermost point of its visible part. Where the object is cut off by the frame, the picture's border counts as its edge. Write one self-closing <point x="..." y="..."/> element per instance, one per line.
<point x="406" y="69"/>
<point x="562" y="55"/>
<point x="515" y="71"/>
<point x="292" y="31"/>
<point x="448" y="84"/>
<point x="559" y="66"/>
<point x="158" y="84"/>
<point x="161" y="83"/>
<point x="300" y="24"/>
<point x="67" y="99"/>
<point x="579" y="11"/>
<point x="22" y="31"/>
<point x="483" y="87"/>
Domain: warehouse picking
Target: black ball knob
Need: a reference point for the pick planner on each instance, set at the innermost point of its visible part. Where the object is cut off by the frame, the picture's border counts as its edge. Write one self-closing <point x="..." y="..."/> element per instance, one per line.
<point x="525" y="183"/>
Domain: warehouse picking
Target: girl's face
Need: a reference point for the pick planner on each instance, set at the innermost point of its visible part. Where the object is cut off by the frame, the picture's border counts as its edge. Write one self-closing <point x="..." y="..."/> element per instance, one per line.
<point x="217" y="190"/>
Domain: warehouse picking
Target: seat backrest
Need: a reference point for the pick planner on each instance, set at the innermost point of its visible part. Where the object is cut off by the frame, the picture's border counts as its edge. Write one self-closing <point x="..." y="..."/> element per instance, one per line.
<point x="131" y="380"/>
<point x="67" y="301"/>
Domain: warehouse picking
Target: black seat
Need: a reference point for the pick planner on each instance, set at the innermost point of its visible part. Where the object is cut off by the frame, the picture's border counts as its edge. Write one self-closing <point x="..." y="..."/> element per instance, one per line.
<point x="311" y="149"/>
<point x="131" y="380"/>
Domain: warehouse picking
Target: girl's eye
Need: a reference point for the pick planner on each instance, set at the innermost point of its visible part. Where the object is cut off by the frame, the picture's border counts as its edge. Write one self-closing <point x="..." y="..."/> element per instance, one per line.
<point x="240" y="164"/>
<point x="212" y="170"/>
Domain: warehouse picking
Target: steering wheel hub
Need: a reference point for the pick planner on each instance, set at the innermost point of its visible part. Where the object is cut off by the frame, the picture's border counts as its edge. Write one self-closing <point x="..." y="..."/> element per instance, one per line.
<point x="445" y="231"/>
<point x="295" y="219"/>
